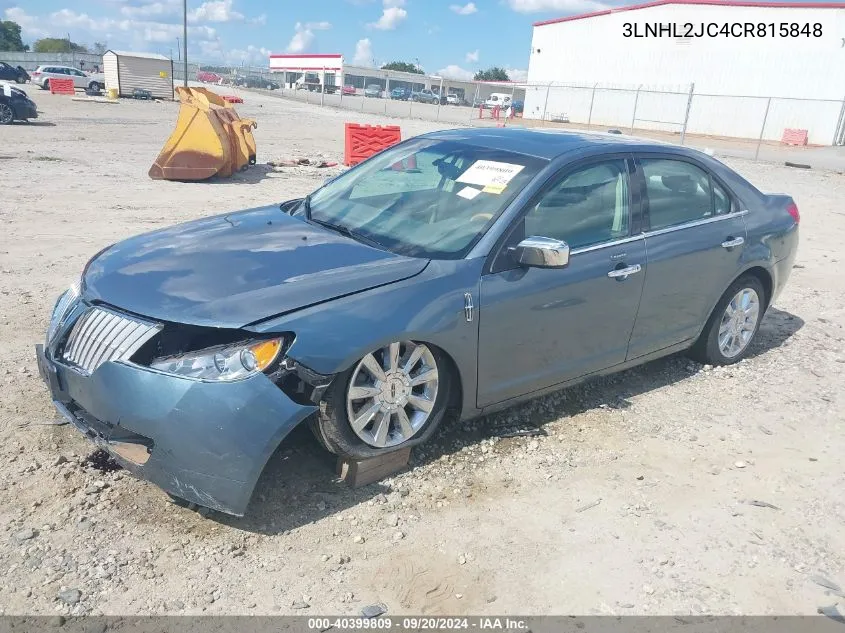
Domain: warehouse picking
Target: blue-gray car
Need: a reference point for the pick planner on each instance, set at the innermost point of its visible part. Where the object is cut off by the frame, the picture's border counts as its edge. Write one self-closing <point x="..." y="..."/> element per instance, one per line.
<point x="461" y="270"/>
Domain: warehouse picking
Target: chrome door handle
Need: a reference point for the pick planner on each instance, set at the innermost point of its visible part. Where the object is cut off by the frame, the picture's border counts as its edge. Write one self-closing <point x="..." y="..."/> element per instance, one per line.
<point x="733" y="241"/>
<point x="624" y="272"/>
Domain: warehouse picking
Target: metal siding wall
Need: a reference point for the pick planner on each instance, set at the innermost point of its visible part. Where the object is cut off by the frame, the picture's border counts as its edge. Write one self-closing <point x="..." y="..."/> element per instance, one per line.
<point x="140" y="72"/>
<point x="799" y="68"/>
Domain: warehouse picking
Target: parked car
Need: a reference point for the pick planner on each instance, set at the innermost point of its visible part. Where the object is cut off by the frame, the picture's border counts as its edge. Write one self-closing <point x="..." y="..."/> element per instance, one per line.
<point x="348" y="90"/>
<point x="498" y="99"/>
<point x="13" y="73"/>
<point x="453" y="99"/>
<point x="400" y="94"/>
<point x="511" y="262"/>
<point x="260" y="82"/>
<point x="15" y="105"/>
<point x="426" y="96"/>
<point x="373" y="90"/>
<point x="208" y="77"/>
<point x="43" y="74"/>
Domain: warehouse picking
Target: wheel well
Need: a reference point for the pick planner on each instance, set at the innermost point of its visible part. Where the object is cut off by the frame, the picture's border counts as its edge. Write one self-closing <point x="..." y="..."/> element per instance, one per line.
<point x="457" y="395"/>
<point x="765" y="278"/>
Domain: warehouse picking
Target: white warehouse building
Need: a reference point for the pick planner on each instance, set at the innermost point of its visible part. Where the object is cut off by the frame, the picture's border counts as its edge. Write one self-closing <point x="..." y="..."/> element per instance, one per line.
<point x="723" y="68"/>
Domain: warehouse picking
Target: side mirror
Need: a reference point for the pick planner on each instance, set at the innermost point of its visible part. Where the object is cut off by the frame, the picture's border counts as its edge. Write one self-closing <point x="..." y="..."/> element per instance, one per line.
<point x="540" y="252"/>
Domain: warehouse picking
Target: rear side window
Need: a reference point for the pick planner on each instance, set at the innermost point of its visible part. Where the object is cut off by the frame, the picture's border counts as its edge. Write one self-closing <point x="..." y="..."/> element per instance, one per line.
<point x="679" y="192"/>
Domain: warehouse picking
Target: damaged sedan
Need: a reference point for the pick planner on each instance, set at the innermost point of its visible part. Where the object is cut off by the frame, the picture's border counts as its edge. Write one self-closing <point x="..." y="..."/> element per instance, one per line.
<point x="460" y="271"/>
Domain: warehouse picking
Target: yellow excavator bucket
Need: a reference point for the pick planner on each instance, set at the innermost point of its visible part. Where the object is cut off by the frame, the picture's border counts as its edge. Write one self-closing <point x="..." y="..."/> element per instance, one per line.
<point x="210" y="139"/>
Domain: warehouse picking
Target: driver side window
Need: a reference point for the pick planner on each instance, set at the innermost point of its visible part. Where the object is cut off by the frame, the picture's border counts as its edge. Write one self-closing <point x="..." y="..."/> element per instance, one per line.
<point x="588" y="206"/>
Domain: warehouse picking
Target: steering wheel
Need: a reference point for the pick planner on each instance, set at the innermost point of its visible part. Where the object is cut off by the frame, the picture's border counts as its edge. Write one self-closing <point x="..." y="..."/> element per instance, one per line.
<point x="481" y="216"/>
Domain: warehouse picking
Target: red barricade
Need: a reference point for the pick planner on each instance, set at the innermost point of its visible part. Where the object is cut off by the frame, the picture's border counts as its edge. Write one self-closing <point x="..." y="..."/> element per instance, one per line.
<point x="362" y="141"/>
<point x="231" y="98"/>
<point x="794" y="137"/>
<point x="61" y="86"/>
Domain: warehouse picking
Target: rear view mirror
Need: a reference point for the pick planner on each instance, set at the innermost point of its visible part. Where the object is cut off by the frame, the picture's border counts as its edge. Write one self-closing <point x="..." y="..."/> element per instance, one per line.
<point x="540" y="252"/>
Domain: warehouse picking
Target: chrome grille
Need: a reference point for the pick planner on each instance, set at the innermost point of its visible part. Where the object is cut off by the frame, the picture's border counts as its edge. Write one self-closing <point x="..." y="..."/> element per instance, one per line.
<point x="102" y="335"/>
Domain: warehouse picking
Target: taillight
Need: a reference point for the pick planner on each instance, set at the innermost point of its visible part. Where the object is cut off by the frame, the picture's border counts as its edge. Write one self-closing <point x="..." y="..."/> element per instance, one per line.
<point x="792" y="209"/>
<point x="35" y="73"/>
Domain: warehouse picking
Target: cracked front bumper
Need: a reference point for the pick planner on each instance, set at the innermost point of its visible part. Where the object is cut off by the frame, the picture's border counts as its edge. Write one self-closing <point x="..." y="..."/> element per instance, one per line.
<point x="206" y="442"/>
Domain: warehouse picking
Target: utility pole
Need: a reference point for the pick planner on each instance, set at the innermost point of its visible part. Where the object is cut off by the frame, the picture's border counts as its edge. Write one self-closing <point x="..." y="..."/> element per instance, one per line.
<point x="185" y="38"/>
<point x="178" y="50"/>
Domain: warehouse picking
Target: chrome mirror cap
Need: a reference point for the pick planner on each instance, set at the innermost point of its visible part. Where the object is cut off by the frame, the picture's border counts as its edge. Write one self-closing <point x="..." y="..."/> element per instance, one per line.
<point x="541" y="252"/>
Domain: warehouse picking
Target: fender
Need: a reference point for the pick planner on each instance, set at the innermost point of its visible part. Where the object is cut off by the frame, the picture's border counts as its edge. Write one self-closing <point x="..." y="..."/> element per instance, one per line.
<point x="430" y="308"/>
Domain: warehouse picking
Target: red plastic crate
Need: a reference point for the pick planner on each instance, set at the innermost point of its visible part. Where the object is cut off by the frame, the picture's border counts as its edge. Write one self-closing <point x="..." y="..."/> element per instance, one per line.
<point x="362" y="141"/>
<point x="794" y="137"/>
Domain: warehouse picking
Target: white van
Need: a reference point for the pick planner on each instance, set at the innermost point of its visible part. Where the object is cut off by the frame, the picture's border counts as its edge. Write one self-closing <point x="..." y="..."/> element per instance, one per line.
<point x="498" y="99"/>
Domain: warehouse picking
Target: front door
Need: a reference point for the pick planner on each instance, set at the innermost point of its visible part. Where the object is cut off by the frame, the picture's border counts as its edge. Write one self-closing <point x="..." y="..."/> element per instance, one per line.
<point x="541" y="326"/>
<point x="695" y="237"/>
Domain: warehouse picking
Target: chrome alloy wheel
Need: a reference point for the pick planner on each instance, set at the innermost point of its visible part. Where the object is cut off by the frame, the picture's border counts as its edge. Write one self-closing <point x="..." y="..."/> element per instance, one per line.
<point x="738" y="322"/>
<point x="391" y="393"/>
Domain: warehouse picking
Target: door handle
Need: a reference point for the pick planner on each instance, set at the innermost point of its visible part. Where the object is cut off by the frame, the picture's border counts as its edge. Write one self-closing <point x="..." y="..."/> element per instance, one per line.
<point x="624" y="272"/>
<point x="733" y="241"/>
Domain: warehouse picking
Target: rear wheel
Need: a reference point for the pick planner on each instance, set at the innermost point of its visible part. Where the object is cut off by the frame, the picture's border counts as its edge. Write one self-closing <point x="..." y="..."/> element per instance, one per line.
<point x="20" y="79"/>
<point x="733" y="324"/>
<point x="391" y="398"/>
<point x="94" y="85"/>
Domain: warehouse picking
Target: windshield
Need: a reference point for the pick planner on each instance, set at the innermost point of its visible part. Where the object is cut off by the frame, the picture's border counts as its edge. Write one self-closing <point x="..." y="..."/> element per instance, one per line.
<point x="426" y="197"/>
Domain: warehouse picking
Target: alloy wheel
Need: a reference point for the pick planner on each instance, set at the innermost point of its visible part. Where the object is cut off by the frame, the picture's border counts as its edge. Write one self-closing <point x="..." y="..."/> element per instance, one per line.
<point x="739" y="322"/>
<point x="391" y="393"/>
<point x="6" y="114"/>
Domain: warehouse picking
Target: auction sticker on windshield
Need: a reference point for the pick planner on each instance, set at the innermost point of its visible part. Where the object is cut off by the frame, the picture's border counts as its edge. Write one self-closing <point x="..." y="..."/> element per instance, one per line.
<point x="490" y="173"/>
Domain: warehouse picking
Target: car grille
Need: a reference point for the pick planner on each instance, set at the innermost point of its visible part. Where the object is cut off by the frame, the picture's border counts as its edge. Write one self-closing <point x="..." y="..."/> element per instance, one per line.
<point x="101" y="335"/>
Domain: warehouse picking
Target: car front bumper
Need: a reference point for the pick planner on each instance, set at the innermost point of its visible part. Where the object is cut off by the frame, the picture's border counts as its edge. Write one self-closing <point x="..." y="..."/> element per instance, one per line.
<point x="24" y="109"/>
<point x="205" y="442"/>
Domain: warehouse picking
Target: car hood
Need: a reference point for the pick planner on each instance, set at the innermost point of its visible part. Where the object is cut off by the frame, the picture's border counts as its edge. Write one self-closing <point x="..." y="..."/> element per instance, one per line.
<point x="233" y="270"/>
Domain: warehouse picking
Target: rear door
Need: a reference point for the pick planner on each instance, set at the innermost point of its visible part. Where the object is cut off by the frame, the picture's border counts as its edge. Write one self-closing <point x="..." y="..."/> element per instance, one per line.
<point x="695" y="237"/>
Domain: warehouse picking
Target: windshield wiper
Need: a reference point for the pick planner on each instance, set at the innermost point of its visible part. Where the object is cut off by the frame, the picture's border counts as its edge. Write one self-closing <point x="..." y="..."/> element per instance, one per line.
<point x="345" y="230"/>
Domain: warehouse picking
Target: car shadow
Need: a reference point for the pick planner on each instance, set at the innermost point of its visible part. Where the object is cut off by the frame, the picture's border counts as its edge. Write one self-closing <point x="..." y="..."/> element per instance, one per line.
<point x="35" y="123"/>
<point x="299" y="484"/>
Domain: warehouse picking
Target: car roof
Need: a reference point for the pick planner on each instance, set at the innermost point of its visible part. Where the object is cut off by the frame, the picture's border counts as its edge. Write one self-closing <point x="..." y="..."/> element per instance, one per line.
<point x="549" y="143"/>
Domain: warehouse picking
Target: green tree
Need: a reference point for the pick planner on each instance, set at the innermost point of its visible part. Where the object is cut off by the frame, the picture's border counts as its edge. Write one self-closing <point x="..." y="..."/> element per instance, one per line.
<point x="492" y="74"/>
<point x="57" y="45"/>
<point x="100" y="48"/>
<point x="404" y="67"/>
<point x="10" y="37"/>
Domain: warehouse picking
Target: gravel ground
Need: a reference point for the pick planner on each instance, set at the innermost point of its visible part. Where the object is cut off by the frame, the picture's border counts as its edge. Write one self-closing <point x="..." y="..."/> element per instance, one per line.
<point x="673" y="488"/>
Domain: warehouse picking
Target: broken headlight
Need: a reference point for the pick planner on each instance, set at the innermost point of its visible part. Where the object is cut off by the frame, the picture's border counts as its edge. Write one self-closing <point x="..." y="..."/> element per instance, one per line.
<point x="61" y="309"/>
<point x="234" y="361"/>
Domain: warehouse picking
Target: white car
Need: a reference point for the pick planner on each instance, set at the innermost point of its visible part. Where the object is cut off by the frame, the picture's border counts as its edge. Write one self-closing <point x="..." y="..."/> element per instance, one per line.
<point x="452" y="99"/>
<point x="498" y="99"/>
<point x="43" y="74"/>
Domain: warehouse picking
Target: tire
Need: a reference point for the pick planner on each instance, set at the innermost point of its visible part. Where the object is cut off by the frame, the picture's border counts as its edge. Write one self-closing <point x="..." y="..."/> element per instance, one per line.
<point x="7" y="114"/>
<point x="94" y="85"/>
<point x="708" y="349"/>
<point x="20" y="79"/>
<point x="334" y="430"/>
<point x="45" y="85"/>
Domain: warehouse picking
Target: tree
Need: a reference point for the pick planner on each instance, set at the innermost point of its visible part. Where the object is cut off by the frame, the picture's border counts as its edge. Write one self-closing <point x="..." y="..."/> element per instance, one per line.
<point x="492" y="74"/>
<point x="10" y="37"/>
<point x="100" y="48"/>
<point x="404" y="67"/>
<point x="57" y="45"/>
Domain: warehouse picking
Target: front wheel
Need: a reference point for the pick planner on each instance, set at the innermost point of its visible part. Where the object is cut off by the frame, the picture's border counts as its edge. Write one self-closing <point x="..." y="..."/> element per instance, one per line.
<point x="7" y="115"/>
<point x="733" y="324"/>
<point x="94" y="86"/>
<point x="391" y="398"/>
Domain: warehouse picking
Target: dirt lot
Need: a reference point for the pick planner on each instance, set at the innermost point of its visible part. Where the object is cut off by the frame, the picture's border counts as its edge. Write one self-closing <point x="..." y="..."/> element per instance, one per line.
<point x="636" y="498"/>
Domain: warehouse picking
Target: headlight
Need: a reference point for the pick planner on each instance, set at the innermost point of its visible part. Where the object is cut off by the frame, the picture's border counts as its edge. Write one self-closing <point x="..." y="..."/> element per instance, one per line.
<point x="61" y="309"/>
<point x="226" y="362"/>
